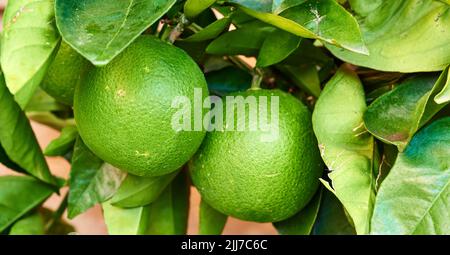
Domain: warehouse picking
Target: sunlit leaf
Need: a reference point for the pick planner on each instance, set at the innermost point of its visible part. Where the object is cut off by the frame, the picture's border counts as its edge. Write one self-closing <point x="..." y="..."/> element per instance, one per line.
<point x="100" y="30"/>
<point x="403" y="36"/>
<point x="346" y="147"/>
<point x="29" y="43"/>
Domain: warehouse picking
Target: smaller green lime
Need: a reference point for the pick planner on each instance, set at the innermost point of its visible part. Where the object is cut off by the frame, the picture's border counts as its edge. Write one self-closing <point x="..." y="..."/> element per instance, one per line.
<point x="265" y="174"/>
<point x="66" y="70"/>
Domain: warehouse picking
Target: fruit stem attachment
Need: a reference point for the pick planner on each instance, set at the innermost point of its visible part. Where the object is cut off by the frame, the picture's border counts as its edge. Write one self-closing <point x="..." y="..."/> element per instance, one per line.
<point x="256" y="81"/>
<point x="177" y="30"/>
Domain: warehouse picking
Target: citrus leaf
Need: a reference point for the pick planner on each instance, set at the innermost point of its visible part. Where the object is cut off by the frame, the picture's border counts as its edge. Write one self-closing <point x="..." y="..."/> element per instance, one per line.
<point x="211" y="221"/>
<point x="279" y="6"/>
<point x="396" y="116"/>
<point x="6" y="161"/>
<point x="18" y="139"/>
<point x="28" y="30"/>
<point x="246" y="40"/>
<point x="414" y="198"/>
<point x="321" y="20"/>
<point x="331" y="219"/>
<point x="100" y="30"/>
<point x="42" y="102"/>
<point x="227" y="80"/>
<point x="302" y="223"/>
<point x="169" y="213"/>
<point x="444" y="96"/>
<point x="404" y="36"/>
<point x="305" y="77"/>
<point x="30" y="225"/>
<point x="275" y="6"/>
<point x="211" y="31"/>
<point x="91" y="180"/>
<point x="137" y="191"/>
<point x="64" y="143"/>
<point x="346" y="147"/>
<point x="364" y="7"/>
<point x="193" y="8"/>
<point x="276" y="47"/>
<point x="18" y="196"/>
<point x="129" y="221"/>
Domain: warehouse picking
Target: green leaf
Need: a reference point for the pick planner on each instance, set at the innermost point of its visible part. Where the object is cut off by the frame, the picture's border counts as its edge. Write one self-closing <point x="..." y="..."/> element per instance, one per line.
<point x="18" y="139"/>
<point x="18" y="196"/>
<point x="137" y="191"/>
<point x="91" y="180"/>
<point x="365" y="7"/>
<point x="6" y="161"/>
<point x="414" y="198"/>
<point x="261" y="5"/>
<point x="28" y="30"/>
<point x="396" y="116"/>
<point x="404" y="36"/>
<point x="29" y="225"/>
<point x="211" y="31"/>
<point x="302" y="223"/>
<point x="246" y="40"/>
<point x="276" y="47"/>
<point x="227" y="80"/>
<point x="129" y="221"/>
<point x="346" y="147"/>
<point x="193" y="8"/>
<point x="64" y="143"/>
<point x="321" y="20"/>
<point x="42" y="102"/>
<point x="275" y="6"/>
<point x="100" y="30"/>
<point x="444" y="96"/>
<point x="211" y="221"/>
<point x="305" y="77"/>
<point x="331" y="219"/>
<point x="169" y="213"/>
<point x="279" y="6"/>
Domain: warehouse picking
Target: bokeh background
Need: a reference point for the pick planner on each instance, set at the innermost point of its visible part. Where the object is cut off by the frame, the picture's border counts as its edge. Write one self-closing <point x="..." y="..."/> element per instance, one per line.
<point x="92" y="222"/>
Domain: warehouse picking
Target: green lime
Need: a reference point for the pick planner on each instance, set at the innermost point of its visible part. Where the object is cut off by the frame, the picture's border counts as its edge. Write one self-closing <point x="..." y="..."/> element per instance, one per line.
<point x="66" y="70"/>
<point x="124" y="110"/>
<point x="263" y="175"/>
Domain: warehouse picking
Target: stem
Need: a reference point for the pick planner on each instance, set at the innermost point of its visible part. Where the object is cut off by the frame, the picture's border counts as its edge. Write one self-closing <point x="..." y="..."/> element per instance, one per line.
<point x="194" y="27"/>
<point x="50" y="120"/>
<point x="178" y="29"/>
<point x="58" y="213"/>
<point x="256" y="81"/>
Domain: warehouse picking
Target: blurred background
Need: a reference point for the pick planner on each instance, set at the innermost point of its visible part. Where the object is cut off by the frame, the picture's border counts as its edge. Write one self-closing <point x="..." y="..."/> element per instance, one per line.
<point x="91" y="222"/>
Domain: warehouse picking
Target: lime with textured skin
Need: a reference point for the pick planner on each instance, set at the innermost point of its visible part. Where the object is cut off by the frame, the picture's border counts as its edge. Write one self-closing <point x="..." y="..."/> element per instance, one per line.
<point x="124" y="110"/>
<point x="66" y="70"/>
<point x="242" y="174"/>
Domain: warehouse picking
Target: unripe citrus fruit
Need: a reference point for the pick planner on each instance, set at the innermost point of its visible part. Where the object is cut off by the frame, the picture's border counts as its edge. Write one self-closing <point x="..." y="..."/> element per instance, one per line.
<point x="66" y="70"/>
<point x="124" y="110"/>
<point x="251" y="177"/>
